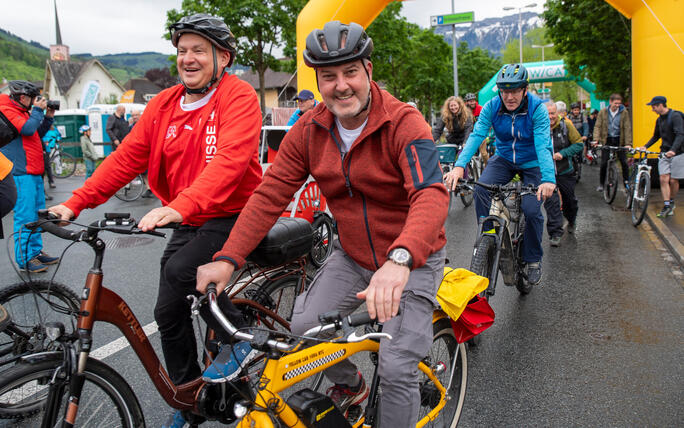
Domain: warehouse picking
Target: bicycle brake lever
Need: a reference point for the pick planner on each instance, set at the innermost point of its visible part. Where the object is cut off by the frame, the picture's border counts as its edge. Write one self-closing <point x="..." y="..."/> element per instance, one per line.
<point x="195" y="303"/>
<point x="353" y="338"/>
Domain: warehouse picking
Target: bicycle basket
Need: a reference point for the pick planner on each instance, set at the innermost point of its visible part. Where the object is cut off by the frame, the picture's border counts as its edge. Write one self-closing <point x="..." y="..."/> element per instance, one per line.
<point x="458" y="287"/>
<point x="447" y="153"/>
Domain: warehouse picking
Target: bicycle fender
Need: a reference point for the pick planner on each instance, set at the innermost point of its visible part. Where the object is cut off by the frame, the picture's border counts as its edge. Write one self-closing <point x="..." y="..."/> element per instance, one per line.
<point x="39" y="357"/>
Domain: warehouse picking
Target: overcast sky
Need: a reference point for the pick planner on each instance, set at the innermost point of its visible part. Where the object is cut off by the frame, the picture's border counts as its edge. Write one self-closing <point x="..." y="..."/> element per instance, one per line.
<point x="115" y="26"/>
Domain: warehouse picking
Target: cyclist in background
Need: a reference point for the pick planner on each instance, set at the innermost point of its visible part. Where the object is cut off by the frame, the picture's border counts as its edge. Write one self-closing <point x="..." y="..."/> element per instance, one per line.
<point x="471" y="101"/>
<point x="198" y="140"/>
<point x="567" y="143"/>
<point x="390" y="206"/>
<point x="30" y="115"/>
<point x="670" y="128"/>
<point x="578" y="120"/>
<point x="613" y="128"/>
<point x="523" y="146"/>
<point x="88" y="148"/>
<point x="305" y="101"/>
<point x="50" y="141"/>
<point x="456" y="119"/>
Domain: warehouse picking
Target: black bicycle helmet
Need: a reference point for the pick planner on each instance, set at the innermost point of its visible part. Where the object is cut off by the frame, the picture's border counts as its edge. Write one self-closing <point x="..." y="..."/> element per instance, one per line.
<point x="213" y="29"/>
<point x="209" y="27"/>
<point x="22" y="87"/>
<point x="337" y="44"/>
<point x="512" y="76"/>
<point x="470" y="96"/>
<point x="575" y="105"/>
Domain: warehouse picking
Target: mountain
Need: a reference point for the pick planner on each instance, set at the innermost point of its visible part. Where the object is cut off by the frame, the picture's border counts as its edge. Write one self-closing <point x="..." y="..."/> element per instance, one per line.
<point x="491" y="34"/>
<point x="20" y="59"/>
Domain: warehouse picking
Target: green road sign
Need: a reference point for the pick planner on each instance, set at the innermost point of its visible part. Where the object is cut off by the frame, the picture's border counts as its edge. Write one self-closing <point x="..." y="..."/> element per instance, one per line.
<point x="544" y="90"/>
<point x="454" y="18"/>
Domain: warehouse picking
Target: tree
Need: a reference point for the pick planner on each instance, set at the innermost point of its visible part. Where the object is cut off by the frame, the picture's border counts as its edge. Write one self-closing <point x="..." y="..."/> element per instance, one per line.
<point x="259" y="25"/>
<point x="475" y="68"/>
<point x="595" y="41"/>
<point x="161" y="76"/>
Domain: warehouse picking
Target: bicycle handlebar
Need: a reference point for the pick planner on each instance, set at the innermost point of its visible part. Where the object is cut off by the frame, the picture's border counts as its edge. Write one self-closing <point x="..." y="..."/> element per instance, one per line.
<point x="518" y="186"/>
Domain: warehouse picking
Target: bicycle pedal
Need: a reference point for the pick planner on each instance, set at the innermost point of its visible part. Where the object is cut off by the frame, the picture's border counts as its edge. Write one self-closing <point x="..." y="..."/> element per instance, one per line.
<point x="354" y="413"/>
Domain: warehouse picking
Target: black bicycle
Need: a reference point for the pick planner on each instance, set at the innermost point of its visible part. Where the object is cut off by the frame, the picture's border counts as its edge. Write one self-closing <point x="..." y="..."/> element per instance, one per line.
<point x="499" y="247"/>
<point x="448" y="154"/>
<point x="62" y="163"/>
<point x="612" y="180"/>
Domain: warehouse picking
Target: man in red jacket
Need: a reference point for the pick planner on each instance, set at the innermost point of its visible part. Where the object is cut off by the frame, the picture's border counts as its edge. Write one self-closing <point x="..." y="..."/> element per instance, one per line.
<point x="198" y="141"/>
<point x="376" y="164"/>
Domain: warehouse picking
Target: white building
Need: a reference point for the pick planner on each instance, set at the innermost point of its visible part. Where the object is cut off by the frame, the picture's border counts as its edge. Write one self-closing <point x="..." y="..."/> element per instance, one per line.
<point x="65" y="81"/>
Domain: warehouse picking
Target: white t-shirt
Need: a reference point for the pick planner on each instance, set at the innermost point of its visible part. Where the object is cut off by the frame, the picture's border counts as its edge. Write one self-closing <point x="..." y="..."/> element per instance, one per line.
<point x="197" y="104"/>
<point x="349" y="135"/>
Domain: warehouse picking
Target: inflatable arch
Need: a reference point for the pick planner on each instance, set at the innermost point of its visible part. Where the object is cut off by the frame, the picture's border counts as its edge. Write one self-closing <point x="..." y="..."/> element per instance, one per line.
<point x="657" y="48"/>
<point x="547" y="71"/>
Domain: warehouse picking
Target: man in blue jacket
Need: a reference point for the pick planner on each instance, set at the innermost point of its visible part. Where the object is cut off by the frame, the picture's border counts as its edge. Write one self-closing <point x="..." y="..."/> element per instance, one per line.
<point x="306" y="102"/>
<point x="523" y="146"/>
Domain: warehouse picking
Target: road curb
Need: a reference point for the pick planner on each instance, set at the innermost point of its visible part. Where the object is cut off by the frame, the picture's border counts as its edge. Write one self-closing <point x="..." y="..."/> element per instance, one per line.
<point x="669" y="239"/>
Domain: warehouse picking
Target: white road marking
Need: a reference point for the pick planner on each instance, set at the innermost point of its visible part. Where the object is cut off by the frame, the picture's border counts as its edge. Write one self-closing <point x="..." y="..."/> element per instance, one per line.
<point x="117" y="345"/>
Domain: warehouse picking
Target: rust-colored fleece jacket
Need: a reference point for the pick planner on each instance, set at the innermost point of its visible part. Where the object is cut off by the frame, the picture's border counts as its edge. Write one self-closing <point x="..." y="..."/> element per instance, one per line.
<point x="386" y="192"/>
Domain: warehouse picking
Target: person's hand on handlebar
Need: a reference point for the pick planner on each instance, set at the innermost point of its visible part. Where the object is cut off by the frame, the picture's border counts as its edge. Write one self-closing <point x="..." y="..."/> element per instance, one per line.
<point x="451" y="178"/>
<point x="669" y="153"/>
<point x="62" y="211"/>
<point x="545" y="190"/>
<point x="218" y="272"/>
<point x="383" y="293"/>
<point x="159" y="217"/>
<point x="594" y="143"/>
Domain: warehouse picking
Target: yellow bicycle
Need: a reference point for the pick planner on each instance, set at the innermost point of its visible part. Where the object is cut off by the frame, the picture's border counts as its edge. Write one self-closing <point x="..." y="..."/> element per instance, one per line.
<point x="289" y="361"/>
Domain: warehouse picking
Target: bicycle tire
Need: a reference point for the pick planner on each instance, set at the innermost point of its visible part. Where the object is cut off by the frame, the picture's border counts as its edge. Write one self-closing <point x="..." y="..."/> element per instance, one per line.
<point x="445" y="347"/>
<point x="29" y="313"/>
<point x="67" y="163"/>
<point x="282" y="294"/>
<point x="482" y="262"/>
<point x="133" y="190"/>
<point x="611" y="183"/>
<point x="467" y="194"/>
<point x="323" y="235"/>
<point x="640" y="201"/>
<point x="521" y="283"/>
<point x="103" y="385"/>
<point x="630" y="196"/>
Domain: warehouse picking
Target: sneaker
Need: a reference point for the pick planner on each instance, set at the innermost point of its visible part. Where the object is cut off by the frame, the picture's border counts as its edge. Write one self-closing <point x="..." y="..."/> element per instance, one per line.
<point x="599" y="189"/>
<point x="667" y="211"/>
<point x="345" y="396"/>
<point x="52" y="186"/>
<point x="175" y="420"/>
<point x="33" y="266"/>
<point x="555" y="241"/>
<point x="229" y="362"/>
<point x="571" y="227"/>
<point x="534" y="273"/>
<point x="672" y="208"/>
<point x="46" y="259"/>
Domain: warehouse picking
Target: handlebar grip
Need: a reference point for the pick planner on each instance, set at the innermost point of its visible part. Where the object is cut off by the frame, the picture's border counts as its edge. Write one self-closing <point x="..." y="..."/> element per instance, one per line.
<point x="360" y="318"/>
<point x="51" y="227"/>
<point x="211" y="288"/>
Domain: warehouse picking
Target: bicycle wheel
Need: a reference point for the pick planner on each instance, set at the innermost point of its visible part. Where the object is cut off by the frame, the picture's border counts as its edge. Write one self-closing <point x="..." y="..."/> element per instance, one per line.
<point x="630" y="195"/>
<point x="611" y="184"/>
<point x="29" y="306"/>
<point x="467" y="194"/>
<point x="280" y="295"/>
<point x="64" y="165"/>
<point x="322" y="240"/>
<point x="445" y="353"/>
<point x="133" y="190"/>
<point x="640" y="201"/>
<point x="106" y="399"/>
<point x="521" y="283"/>
<point x="482" y="262"/>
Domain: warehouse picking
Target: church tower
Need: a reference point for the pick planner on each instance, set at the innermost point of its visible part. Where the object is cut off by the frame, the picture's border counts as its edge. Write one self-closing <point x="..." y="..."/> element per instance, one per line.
<point x="58" y="51"/>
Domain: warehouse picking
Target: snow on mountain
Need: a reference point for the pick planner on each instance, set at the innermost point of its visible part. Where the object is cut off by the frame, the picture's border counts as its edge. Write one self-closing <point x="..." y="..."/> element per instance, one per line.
<point x="491" y="34"/>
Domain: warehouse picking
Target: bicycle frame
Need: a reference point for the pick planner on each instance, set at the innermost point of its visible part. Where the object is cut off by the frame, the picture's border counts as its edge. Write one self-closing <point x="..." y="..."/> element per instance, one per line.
<point x="280" y="374"/>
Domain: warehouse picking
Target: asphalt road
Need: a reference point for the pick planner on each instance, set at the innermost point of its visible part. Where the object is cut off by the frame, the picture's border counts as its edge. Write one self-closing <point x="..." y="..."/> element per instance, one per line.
<point x="599" y="343"/>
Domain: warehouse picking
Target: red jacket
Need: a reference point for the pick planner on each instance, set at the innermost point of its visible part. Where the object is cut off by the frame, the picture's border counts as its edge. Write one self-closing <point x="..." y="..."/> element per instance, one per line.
<point x="387" y="192"/>
<point x="212" y="174"/>
<point x="26" y="151"/>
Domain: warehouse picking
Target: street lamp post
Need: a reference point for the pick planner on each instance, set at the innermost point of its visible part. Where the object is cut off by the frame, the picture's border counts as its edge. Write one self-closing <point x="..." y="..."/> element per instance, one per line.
<point x="550" y="45"/>
<point x="520" y="23"/>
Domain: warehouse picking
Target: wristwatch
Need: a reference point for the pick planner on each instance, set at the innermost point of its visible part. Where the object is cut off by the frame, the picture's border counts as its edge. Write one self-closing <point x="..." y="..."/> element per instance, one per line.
<point x="401" y="256"/>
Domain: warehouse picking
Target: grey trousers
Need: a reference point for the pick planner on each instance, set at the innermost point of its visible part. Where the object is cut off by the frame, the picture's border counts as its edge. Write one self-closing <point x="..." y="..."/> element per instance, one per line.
<point x="335" y="287"/>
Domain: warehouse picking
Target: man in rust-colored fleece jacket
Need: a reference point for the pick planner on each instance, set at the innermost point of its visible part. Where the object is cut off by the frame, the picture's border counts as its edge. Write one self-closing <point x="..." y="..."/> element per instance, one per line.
<point x="376" y="164"/>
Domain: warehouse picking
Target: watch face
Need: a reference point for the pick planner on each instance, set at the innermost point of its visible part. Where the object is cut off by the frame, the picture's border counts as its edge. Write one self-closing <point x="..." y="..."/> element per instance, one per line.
<point x="400" y="255"/>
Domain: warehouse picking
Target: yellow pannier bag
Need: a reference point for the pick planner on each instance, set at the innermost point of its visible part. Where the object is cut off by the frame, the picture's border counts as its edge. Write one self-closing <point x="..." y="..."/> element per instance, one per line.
<point x="458" y="287"/>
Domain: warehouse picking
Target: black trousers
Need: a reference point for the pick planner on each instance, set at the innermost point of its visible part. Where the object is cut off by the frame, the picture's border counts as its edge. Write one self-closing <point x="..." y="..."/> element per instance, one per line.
<point x="8" y="197"/>
<point x="189" y="248"/>
<point x="48" y="168"/>
<point x="554" y="214"/>
<point x="621" y="155"/>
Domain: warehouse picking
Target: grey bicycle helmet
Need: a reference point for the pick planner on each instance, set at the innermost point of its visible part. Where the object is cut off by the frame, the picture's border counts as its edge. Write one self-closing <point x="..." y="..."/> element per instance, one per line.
<point x="575" y="105"/>
<point x="512" y="76"/>
<point x="22" y="87"/>
<point x="469" y="96"/>
<point x="337" y="44"/>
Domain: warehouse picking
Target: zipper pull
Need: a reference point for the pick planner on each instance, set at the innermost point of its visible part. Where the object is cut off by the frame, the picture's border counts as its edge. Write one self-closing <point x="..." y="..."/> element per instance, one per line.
<point x="348" y="185"/>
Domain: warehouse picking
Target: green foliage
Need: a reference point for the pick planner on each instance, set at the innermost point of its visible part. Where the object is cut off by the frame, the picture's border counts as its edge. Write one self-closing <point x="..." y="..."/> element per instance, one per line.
<point x="259" y="25"/>
<point x="475" y="68"/>
<point x="595" y="41"/>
